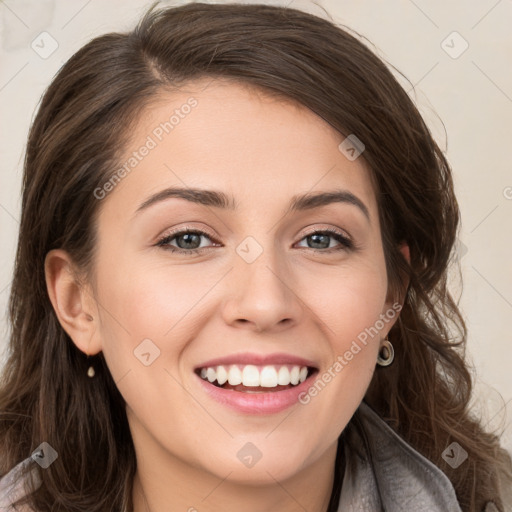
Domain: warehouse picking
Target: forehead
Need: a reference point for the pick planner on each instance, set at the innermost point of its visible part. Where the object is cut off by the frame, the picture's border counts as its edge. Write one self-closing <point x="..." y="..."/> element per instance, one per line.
<point x="218" y="134"/>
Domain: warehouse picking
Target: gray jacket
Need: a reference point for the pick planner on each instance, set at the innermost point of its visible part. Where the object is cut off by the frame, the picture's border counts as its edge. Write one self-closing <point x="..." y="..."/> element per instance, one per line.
<point x="382" y="473"/>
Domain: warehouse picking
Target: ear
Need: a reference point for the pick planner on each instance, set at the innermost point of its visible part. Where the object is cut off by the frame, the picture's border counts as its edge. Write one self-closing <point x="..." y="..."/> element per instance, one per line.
<point x="404" y="249"/>
<point x="392" y="310"/>
<point x="73" y="302"/>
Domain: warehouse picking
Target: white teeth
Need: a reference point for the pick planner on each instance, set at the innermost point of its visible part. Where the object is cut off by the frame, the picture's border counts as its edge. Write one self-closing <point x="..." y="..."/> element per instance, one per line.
<point x="283" y="377"/>
<point x="222" y="375"/>
<point x="253" y="376"/>
<point x="234" y="375"/>
<point x="294" y="375"/>
<point x="211" y="374"/>
<point x="268" y="377"/>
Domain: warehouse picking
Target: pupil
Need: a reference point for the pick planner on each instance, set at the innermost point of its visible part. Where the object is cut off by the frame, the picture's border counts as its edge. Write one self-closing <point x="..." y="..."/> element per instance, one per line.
<point x="187" y="237"/>
<point x="315" y="237"/>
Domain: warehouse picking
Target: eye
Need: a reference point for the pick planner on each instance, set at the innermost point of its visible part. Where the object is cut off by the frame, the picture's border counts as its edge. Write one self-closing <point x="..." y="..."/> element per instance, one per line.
<point x="187" y="240"/>
<point x="320" y="240"/>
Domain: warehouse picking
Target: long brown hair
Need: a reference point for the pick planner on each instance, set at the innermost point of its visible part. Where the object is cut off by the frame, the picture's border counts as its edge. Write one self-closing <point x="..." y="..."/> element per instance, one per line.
<point x="74" y="146"/>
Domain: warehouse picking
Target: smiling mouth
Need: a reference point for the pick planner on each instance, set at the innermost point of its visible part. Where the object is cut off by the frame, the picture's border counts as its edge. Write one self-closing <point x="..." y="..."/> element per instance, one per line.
<point x="256" y="379"/>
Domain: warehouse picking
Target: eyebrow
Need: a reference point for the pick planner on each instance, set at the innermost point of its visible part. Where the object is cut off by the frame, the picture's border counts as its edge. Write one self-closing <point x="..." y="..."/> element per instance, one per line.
<point x="218" y="199"/>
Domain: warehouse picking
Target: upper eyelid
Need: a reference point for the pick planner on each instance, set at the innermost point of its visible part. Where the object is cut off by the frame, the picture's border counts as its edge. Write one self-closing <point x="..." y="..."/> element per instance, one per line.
<point x="202" y="232"/>
<point x="187" y="229"/>
<point x="338" y="231"/>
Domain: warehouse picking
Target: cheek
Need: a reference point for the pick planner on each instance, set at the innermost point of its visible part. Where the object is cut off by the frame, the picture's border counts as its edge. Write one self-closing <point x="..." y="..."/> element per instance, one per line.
<point x="147" y="302"/>
<point x="147" y="322"/>
<point x="350" y="312"/>
<point x="155" y="302"/>
<point x="129" y="307"/>
<point x="348" y="300"/>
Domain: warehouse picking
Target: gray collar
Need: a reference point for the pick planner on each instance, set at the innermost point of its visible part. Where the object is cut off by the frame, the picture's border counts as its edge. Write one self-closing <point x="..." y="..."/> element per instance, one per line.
<point x="384" y="473"/>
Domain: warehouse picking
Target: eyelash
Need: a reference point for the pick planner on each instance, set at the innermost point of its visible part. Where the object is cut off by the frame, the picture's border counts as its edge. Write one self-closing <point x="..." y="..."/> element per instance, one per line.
<point x="346" y="243"/>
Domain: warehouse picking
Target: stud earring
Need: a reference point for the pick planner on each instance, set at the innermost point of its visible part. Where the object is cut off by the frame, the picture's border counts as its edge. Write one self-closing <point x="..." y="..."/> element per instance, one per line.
<point x="386" y="353"/>
<point x="90" y="372"/>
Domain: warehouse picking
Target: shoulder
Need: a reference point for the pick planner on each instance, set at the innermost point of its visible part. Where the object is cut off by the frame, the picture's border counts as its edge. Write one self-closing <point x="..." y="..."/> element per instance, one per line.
<point x="17" y="483"/>
<point x="387" y="473"/>
<point x="383" y="470"/>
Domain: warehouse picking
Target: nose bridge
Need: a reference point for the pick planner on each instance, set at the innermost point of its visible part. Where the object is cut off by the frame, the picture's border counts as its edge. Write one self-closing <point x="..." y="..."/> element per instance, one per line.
<point x="259" y="264"/>
<point x="261" y="291"/>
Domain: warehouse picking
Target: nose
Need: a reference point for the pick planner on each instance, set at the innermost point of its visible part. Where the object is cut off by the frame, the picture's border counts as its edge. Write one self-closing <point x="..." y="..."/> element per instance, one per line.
<point x="261" y="295"/>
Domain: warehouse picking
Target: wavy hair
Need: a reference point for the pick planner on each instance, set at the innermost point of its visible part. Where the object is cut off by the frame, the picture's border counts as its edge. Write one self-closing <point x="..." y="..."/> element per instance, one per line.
<point x="74" y="146"/>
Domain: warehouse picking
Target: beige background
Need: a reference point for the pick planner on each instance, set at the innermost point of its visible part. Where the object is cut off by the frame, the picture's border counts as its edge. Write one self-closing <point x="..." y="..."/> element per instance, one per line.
<point x="469" y="90"/>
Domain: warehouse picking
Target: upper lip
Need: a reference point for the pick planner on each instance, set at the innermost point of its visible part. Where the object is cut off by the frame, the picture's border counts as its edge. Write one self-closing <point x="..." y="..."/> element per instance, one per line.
<point x="258" y="360"/>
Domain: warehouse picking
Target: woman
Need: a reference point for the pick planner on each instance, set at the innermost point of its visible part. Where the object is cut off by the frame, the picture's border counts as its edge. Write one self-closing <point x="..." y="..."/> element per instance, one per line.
<point x="300" y="353"/>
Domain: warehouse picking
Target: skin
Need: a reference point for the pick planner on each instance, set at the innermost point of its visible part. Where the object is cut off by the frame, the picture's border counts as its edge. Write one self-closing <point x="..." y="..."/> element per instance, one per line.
<point x="293" y="298"/>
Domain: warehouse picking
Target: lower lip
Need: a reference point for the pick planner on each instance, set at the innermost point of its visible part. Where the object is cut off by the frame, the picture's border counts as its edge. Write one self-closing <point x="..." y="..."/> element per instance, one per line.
<point x="257" y="403"/>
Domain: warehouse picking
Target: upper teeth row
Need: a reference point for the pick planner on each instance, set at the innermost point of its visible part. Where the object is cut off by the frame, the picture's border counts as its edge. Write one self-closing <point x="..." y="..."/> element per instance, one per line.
<point x="251" y="375"/>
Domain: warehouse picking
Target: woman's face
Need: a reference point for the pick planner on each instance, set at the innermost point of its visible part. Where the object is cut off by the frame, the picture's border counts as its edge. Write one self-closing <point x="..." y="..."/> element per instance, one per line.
<point x="262" y="291"/>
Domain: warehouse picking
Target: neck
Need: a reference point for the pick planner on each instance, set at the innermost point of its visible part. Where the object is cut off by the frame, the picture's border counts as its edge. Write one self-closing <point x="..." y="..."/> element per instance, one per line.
<point x="157" y="488"/>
